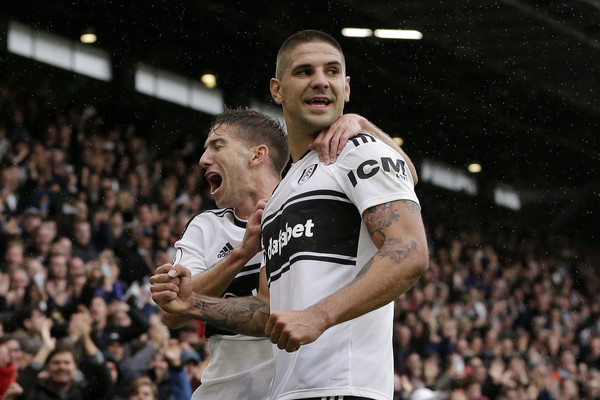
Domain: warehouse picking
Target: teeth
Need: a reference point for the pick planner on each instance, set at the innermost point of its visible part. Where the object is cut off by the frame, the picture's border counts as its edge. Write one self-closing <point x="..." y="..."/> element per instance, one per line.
<point x="319" y="101"/>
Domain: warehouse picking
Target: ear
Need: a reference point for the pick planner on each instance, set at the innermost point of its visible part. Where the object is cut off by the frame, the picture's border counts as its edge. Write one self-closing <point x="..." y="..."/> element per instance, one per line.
<point x="347" y="90"/>
<point x="275" y="86"/>
<point x="260" y="154"/>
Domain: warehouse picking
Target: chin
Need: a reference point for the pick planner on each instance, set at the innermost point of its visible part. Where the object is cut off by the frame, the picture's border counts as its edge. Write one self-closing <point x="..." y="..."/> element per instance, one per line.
<point x="322" y="122"/>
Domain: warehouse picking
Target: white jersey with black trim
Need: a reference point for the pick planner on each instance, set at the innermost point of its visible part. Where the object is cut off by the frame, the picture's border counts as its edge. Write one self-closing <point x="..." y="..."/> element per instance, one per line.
<point x="315" y="243"/>
<point x="240" y="367"/>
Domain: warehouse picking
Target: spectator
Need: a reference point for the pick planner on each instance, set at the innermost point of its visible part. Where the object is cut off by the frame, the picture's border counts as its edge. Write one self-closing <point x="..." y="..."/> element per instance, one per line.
<point x="143" y="389"/>
<point x="103" y="277"/>
<point x="8" y="370"/>
<point x="42" y="237"/>
<point x="118" y="317"/>
<point x="82" y="246"/>
<point x="168" y="372"/>
<point x="17" y="283"/>
<point x="14" y="257"/>
<point x="60" y="361"/>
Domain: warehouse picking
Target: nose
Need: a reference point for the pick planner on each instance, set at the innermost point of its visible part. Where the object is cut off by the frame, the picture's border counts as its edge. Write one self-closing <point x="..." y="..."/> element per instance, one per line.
<point x="320" y="79"/>
<point x="205" y="160"/>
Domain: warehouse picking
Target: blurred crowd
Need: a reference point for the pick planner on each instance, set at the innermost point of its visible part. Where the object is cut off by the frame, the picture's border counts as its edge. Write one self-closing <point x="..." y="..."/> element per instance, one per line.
<point x="89" y="208"/>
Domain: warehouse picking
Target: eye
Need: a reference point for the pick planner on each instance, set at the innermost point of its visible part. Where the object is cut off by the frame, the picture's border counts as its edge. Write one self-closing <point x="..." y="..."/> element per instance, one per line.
<point x="303" y="72"/>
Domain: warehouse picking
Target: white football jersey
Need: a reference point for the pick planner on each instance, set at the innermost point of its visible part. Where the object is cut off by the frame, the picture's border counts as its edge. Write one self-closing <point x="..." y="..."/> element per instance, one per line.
<point x="315" y="243"/>
<point x="240" y="367"/>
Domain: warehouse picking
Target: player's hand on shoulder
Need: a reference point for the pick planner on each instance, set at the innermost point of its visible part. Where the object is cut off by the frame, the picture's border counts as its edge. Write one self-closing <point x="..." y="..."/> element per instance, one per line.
<point x="331" y="141"/>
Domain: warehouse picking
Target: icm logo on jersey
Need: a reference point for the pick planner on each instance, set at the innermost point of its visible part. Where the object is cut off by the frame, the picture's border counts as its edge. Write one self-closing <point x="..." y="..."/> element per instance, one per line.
<point x="307" y="173"/>
<point x="276" y="244"/>
<point x="371" y="167"/>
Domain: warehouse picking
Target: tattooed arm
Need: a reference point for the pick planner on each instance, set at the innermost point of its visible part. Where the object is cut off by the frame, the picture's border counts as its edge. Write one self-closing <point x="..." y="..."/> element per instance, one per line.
<point x="172" y="291"/>
<point x="402" y="257"/>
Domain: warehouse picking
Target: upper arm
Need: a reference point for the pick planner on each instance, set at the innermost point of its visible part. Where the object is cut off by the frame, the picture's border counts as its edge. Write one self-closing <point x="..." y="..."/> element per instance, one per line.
<point x="397" y="230"/>
<point x="189" y="247"/>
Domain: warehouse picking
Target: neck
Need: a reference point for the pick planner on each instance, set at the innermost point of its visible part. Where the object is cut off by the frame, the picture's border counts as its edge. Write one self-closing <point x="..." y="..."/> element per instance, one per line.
<point x="299" y="138"/>
<point x="300" y="135"/>
<point x="61" y="387"/>
<point x="262" y="188"/>
<point x="299" y="145"/>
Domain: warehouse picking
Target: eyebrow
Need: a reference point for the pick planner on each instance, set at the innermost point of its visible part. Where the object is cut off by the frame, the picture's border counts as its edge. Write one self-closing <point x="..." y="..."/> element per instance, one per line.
<point x="311" y="66"/>
<point x="212" y="142"/>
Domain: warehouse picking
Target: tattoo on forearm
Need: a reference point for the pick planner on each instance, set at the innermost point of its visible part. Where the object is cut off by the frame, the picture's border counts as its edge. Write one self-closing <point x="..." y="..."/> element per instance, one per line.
<point x="234" y="314"/>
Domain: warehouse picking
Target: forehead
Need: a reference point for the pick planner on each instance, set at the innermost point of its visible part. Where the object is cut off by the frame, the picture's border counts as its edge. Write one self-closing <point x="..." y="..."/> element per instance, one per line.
<point x="314" y="53"/>
<point x="220" y="132"/>
<point x="63" y="357"/>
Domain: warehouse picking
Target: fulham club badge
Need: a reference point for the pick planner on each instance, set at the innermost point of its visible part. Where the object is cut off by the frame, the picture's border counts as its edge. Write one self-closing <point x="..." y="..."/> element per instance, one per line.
<point x="307" y="173"/>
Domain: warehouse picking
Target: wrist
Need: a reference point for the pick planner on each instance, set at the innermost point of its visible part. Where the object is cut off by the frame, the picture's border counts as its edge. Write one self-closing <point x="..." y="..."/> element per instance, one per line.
<point x="241" y="255"/>
<point x="321" y="317"/>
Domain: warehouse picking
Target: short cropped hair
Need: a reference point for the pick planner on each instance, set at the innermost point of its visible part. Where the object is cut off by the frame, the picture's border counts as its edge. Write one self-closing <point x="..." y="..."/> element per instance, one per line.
<point x="302" y="37"/>
<point x="255" y="128"/>
<point x="138" y="382"/>
<point x="63" y="346"/>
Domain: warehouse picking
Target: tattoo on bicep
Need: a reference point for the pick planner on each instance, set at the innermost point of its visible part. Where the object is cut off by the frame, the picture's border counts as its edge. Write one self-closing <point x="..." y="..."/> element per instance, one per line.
<point x="380" y="217"/>
<point x="233" y="314"/>
<point x="412" y="207"/>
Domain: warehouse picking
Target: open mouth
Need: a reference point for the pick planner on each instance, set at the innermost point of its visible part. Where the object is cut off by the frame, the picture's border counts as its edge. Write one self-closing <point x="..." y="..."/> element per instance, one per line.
<point x="214" y="180"/>
<point x="318" y="102"/>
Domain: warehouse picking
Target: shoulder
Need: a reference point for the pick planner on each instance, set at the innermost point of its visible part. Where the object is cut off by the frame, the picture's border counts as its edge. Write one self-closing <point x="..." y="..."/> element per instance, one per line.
<point x="208" y="218"/>
<point x="365" y="147"/>
<point x="361" y="140"/>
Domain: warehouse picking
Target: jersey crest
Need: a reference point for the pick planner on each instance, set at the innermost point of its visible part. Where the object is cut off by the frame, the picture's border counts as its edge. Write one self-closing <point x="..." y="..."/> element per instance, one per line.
<point x="307" y="173"/>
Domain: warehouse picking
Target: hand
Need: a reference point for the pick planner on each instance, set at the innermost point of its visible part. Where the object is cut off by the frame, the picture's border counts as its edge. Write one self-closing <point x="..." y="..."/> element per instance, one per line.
<point x="13" y="390"/>
<point x="172" y="351"/>
<point x="75" y="329"/>
<point x="159" y="335"/>
<point x="171" y="288"/>
<point x="48" y="341"/>
<point x="251" y="242"/>
<point x="331" y="141"/>
<point x="290" y="329"/>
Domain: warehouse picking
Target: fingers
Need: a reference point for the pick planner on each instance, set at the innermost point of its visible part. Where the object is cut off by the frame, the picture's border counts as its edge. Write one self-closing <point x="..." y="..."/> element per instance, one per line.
<point x="331" y="141"/>
<point x="260" y="205"/>
<point x="279" y="335"/>
<point x="164" y="288"/>
<point x="163" y="269"/>
<point x="180" y="271"/>
<point x="323" y="145"/>
<point x="163" y="297"/>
